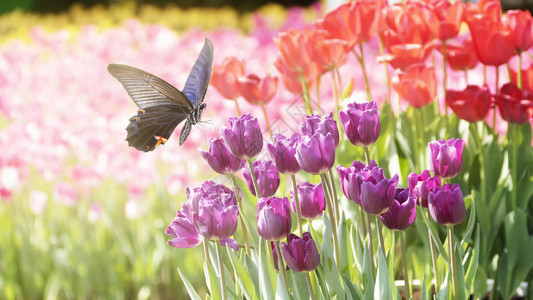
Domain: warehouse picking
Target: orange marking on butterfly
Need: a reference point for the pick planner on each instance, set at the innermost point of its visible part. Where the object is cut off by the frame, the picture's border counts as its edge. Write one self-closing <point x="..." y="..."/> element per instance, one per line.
<point x="160" y="140"/>
<point x="141" y="111"/>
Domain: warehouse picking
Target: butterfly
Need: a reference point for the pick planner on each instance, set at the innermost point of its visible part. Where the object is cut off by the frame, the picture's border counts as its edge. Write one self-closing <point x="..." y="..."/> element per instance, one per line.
<point x="162" y="106"/>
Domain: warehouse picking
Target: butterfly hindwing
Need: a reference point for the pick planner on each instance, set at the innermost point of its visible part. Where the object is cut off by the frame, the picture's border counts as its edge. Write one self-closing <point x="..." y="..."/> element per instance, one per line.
<point x="148" y="90"/>
<point x="153" y="125"/>
<point x="198" y="80"/>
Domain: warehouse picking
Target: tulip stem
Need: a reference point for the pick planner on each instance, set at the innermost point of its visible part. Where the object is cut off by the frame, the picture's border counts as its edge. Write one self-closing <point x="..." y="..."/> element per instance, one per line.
<point x="335" y="197"/>
<point x="361" y="59"/>
<point x="335" y="91"/>
<point x="281" y="267"/>
<point x="513" y="128"/>
<point x="433" y="257"/>
<point x="519" y="72"/>
<point x="266" y="120"/>
<point x="297" y="204"/>
<point x="206" y="252"/>
<point x="241" y="212"/>
<point x="370" y="241"/>
<point x="387" y="76"/>
<point x="325" y="185"/>
<point x="237" y="106"/>
<point x="445" y="77"/>
<point x="363" y="221"/>
<point x="466" y="77"/>
<point x="380" y="234"/>
<point x="307" y="100"/>
<point x="310" y="286"/>
<point x="404" y="263"/>
<point x="495" y="92"/>
<point x="254" y="178"/>
<point x="318" y="92"/>
<point x="367" y="155"/>
<point x="221" y="269"/>
<point x="452" y="259"/>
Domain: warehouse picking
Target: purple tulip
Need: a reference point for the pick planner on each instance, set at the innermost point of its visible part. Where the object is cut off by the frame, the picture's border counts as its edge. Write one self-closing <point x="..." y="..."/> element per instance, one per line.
<point x="402" y="213"/>
<point x="267" y="178"/>
<point x="446" y="204"/>
<point x="283" y="153"/>
<point x="350" y="184"/>
<point x="210" y="213"/>
<point x="316" y="153"/>
<point x="220" y="159"/>
<point x="376" y="191"/>
<point x="273" y="218"/>
<point x="243" y="137"/>
<point x="275" y="256"/>
<point x="311" y="198"/>
<point x="314" y="124"/>
<point x="361" y="123"/>
<point x="446" y="157"/>
<point x="301" y="254"/>
<point x="421" y="185"/>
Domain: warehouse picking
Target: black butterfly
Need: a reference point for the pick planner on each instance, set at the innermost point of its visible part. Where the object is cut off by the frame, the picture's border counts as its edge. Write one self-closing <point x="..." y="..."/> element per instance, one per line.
<point x="161" y="106"/>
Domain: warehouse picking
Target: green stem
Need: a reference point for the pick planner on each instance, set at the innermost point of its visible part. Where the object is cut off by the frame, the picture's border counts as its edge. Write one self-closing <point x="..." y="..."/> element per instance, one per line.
<point x="237" y="106"/>
<point x="362" y="62"/>
<point x="419" y="119"/>
<point x="281" y="267"/>
<point x="466" y="77"/>
<point x="206" y="253"/>
<point x="310" y="286"/>
<point x="445" y="77"/>
<point x="433" y="257"/>
<point x="404" y="263"/>
<point x="254" y="178"/>
<point x="380" y="234"/>
<point x="335" y="91"/>
<point x="514" y="164"/>
<point x="221" y="269"/>
<point x="319" y="77"/>
<point x="297" y="204"/>
<point x="387" y="76"/>
<point x="485" y="76"/>
<point x="370" y="241"/>
<point x="367" y="155"/>
<point x="335" y="198"/>
<point x="363" y="221"/>
<point x="307" y="100"/>
<point x="494" y="109"/>
<point x="266" y="119"/>
<point x="241" y="212"/>
<point x="325" y="185"/>
<point x="452" y="259"/>
<point x="519" y="72"/>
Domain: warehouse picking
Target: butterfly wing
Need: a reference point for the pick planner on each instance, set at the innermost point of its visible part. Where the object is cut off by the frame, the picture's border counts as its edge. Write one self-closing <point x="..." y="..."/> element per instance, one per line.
<point x="198" y="80"/>
<point x="148" y="90"/>
<point x="152" y="126"/>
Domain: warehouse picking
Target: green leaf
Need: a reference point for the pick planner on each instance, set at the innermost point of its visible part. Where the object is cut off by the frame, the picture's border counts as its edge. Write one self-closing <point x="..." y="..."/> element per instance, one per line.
<point x="433" y="230"/>
<point x="471" y="270"/>
<point x="213" y="284"/>
<point x="281" y="291"/>
<point x="347" y="91"/>
<point x="298" y="285"/>
<point x="459" y="275"/>
<point x="189" y="287"/>
<point x="423" y="292"/>
<point x="382" y="289"/>
<point x="328" y="262"/>
<point x="352" y="291"/>
<point x="342" y="235"/>
<point x="471" y="219"/>
<point x="245" y="280"/>
<point x="265" y="285"/>
<point x="368" y="275"/>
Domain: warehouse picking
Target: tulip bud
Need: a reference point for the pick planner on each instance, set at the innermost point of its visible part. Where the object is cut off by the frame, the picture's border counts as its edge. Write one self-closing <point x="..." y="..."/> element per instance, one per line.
<point x="361" y="123"/>
<point x="283" y="153"/>
<point x="446" y="157"/>
<point x="301" y="254"/>
<point x="273" y="218"/>
<point x="243" y="137"/>
<point x="220" y="159"/>
<point x="402" y="213"/>
<point x="267" y="178"/>
<point x="421" y="185"/>
<point x="311" y="198"/>
<point x="316" y="153"/>
<point x="446" y="204"/>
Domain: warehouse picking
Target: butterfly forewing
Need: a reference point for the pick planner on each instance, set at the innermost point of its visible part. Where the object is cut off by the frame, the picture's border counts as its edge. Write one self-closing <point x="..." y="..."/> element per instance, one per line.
<point x="148" y="90"/>
<point x="149" y="125"/>
<point x="198" y="79"/>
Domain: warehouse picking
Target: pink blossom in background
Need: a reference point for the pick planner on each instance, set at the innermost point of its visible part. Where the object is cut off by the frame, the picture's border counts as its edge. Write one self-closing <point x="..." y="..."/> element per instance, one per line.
<point x="37" y="202"/>
<point x="65" y="194"/>
<point x="95" y="212"/>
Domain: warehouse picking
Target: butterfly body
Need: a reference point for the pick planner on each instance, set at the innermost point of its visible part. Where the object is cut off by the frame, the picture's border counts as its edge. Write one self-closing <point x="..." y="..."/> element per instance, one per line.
<point x="162" y="106"/>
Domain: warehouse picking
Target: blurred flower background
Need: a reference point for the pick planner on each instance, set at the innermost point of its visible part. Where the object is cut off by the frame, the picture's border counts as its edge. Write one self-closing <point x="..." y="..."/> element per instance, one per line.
<point x="82" y="215"/>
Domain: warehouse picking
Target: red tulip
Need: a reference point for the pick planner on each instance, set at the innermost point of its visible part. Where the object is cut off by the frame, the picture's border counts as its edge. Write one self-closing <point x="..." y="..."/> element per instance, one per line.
<point x="520" y="23"/>
<point x="292" y="79"/>
<point x="224" y="77"/>
<point x="417" y="85"/>
<point x="527" y="78"/>
<point x="461" y="56"/>
<point x="296" y="48"/>
<point x="330" y="53"/>
<point x="406" y="24"/>
<point x="489" y="8"/>
<point x="256" y="90"/>
<point x="471" y="104"/>
<point x="444" y="19"/>
<point x="515" y="105"/>
<point x="404" y="55"/>
<point x="493" y="42"/>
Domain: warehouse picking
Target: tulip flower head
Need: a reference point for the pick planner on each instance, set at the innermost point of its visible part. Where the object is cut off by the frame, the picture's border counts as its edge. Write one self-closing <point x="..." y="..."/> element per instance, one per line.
<point x="210" y="213"/>
<point x="316" y="153"/>
<point x="376" y="191"/>
<point x="351" y="180"/>
<point x="417" y="85"/>
<point x="267" y="178"/>
<point x="300" y="254"/>
<point x="446" y="158"/>
<point x="446" y="204"/>
<point x="421" y="185"/>
<point x="220" y="159"/>
<point x="243" y="137"/>
<point x="311" y="198"/>
<point x="224" y="77"/>
<point x="515" y="105"/>
<point x="325" y="125"/>
<point x="283" y="153"/>
<point x="471" y="104"/>
<point x="273" y="218"/>
<point x="361" y="123"/>
<point x="401" y="215"/>
<point x="257" y="90"/>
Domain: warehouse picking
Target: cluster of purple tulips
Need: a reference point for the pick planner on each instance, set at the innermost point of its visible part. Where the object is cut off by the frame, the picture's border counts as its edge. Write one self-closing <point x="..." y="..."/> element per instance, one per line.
<point x="212" y="210"/>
